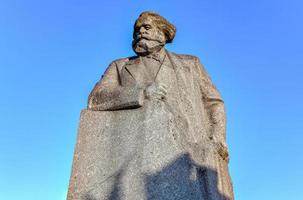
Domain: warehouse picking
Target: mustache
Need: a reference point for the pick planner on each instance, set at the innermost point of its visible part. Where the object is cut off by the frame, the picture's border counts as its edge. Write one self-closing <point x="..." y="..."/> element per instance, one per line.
<point x="140" y="37"/>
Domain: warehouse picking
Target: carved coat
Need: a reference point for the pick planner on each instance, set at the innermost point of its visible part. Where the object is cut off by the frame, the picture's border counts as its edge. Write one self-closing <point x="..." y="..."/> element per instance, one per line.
<point x="193" y="106"/>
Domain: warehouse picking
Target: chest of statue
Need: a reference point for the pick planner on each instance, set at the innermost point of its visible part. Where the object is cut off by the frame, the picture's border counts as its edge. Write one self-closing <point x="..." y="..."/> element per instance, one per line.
<point x="141" y="73"/>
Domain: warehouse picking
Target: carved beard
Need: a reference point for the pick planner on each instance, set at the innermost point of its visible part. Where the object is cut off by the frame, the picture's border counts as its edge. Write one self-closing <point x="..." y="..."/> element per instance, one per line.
<point x="144" y="46"/>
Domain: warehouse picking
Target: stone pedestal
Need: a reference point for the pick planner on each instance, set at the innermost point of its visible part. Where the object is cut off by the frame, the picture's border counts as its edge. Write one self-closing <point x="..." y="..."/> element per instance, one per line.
<point x="136" y="155"/>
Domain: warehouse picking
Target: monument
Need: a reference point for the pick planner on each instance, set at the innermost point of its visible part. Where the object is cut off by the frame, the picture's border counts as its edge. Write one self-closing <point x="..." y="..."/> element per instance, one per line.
<point x="154" y="128"/>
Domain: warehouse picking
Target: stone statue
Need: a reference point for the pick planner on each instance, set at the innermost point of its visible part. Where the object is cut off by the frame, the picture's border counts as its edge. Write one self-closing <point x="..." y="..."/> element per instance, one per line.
<point x="154" y="128"/>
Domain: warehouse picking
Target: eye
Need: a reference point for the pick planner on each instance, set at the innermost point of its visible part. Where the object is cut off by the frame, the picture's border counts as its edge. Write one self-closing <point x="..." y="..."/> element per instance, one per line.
<point x="147" y="27"/>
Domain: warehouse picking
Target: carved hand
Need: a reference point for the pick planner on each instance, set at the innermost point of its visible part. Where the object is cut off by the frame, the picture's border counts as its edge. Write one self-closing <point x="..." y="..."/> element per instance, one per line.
<point x="222" y="150"/>
<point x="156" y="91"/>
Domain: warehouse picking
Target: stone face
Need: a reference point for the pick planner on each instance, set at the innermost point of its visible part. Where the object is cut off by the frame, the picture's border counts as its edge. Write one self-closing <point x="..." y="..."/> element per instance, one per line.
<point x="154" y="127"/>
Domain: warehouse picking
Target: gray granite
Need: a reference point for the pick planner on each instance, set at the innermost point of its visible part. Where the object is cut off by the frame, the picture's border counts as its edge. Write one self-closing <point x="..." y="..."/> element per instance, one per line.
<point x="154" y="128"/>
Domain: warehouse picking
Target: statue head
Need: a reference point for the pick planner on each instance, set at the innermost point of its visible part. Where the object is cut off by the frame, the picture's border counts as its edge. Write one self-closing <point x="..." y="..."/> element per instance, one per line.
<point x="151" y="33"/>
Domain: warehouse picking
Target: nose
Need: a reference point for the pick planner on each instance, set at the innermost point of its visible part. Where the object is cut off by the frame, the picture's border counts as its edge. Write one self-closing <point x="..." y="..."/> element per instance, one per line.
<point x="142" y="29"/>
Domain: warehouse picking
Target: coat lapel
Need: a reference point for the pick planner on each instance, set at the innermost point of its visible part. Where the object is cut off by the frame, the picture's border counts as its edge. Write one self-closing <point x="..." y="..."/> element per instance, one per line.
<point x="133" y="66"/>
<point x="185" y="88"/>
<point x="133" y="72"/>
<point x="183" y="72"/>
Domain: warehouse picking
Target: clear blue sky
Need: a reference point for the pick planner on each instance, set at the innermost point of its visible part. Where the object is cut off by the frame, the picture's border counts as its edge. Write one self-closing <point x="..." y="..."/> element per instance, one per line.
<point x="52" y="52"/>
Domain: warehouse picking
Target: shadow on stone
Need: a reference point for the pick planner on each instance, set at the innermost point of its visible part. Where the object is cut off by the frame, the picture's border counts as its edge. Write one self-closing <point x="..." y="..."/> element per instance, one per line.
<point x="89" y="197"/>
<point x="181" y="180"/>
<point x="115" y="193"/>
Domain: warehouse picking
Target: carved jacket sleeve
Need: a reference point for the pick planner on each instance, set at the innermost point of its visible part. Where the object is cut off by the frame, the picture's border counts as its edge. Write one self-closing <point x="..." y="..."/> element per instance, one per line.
<point x="215" y="110"/>
<point x="108" y="94"/>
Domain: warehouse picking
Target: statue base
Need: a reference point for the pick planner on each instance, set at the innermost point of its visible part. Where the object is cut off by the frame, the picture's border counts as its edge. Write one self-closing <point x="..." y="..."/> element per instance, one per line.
<point x="129" y="155"/>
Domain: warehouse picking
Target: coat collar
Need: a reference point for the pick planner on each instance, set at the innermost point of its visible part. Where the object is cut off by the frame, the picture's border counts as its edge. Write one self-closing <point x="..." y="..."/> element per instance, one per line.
<point x="134" y="64"/>
<point x="158" y="56"/>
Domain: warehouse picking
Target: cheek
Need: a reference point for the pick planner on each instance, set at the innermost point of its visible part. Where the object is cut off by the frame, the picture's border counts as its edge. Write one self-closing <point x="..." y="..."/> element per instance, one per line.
<point x="152" y="32"/>
<point x="160" y="35"/>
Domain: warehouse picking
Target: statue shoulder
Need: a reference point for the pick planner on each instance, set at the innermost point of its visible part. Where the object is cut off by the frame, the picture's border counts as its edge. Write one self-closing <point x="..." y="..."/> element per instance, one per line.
<point x="123" y="61"/>
<point x="120" y="61"/>
<point x="185" y="56"/>
<point x="191" y="61"/>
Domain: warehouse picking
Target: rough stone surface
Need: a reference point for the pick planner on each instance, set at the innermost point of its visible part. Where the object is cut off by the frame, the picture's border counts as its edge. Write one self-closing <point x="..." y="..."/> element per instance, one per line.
<point x="154" y="128"/>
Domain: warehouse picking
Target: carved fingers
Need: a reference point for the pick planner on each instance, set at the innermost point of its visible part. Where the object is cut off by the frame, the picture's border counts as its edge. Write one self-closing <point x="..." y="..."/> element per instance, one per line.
<point x="156" y="92"/>
<point x="222" y="150"/>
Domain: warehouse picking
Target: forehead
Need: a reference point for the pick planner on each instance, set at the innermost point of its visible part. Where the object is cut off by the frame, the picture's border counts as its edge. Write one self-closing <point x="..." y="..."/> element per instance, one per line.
<point x="145" y="21"/>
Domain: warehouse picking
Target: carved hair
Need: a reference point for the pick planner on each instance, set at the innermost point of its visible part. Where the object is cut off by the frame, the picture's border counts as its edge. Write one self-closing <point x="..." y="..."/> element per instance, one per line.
<point x="165" y="26"/>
